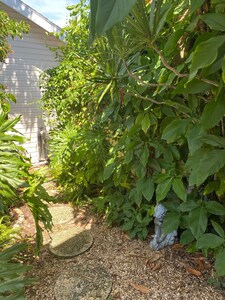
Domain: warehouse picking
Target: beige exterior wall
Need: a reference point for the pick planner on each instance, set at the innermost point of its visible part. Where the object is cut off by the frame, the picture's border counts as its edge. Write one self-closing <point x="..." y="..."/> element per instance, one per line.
<point x="20" y="74"/>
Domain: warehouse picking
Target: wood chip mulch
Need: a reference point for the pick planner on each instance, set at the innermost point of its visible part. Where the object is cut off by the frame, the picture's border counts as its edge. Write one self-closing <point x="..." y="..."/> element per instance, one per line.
<point x="137" y="272"/>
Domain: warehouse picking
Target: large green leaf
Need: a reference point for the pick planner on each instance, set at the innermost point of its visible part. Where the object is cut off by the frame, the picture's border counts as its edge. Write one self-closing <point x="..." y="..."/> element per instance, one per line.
<point x="194" y="135"/>
<point x="109" y="169"/>
<point x="198" y="221"/>
<point x="144" y="156"/>
<point x="205" y="54"/>
<point x="209" y="241"/>
<point x="223" y="69"/>
<point x="8" y="125"/>
<point x="128" y="156"/>
<point x="148" y="188"/>
<point x="175" y="130"/>
<point x="186" y="237"/>
<point x="105" y="14"/>
<point x="179" y="189"/>
<point x="15" y="284"/>
<point x="171" y="222"/>
<point x="171" y="43"/>
<point x="163" y="189"/>
<point x="203" y="163"/>
<point x="10" y="270"/>
<point x="8" y="253"/>
<point x="220" y="263"/>
<point x="165" y="11"/>
<point x="213" y="112"/>
<point x="128" y="225"/>
<point x="215" y="208"/>
<point x="215" y="21"/>
<point x="11" y="178"/>
<point x="213" y="140"/>
<point x="15" y="296"/>
<point x="12" y="137"/>
<point x="218" y="229"/>
<point x="196" y="86"/>
<point x="188" y="206"/>
<point x="196" y="4"/>
<point x="145" y="123"/>
<point x="11" y="279"/>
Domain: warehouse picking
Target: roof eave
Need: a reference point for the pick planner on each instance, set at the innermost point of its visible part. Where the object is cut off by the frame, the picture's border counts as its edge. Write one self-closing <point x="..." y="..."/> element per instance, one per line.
<point x="32" y="15"/>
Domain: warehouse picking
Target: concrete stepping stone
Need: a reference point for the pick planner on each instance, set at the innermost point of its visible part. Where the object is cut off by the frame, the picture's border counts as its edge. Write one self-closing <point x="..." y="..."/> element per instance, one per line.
<point x="83" y="282"/>
<point x="61" y="214"/>
<point x="70" y="242"/>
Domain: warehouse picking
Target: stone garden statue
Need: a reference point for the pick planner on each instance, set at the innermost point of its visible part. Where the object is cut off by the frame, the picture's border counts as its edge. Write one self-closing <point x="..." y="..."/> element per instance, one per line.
<point x="160" y="240"/>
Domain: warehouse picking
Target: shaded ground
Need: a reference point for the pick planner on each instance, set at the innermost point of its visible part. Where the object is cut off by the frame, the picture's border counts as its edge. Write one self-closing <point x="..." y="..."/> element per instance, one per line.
<point x="136" y="271"/>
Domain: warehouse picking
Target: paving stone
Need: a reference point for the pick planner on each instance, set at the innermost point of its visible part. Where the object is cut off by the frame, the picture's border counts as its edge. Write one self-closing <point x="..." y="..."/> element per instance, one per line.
<point x="71" y="242"/>
<point x="62" y="214"/>
<point x="83" y="282"/>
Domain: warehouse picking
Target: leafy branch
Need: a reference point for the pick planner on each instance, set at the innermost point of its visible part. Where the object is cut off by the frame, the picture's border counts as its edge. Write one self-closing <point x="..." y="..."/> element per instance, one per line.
<point x="178" y="74"/>
<point x="143" y="83"/>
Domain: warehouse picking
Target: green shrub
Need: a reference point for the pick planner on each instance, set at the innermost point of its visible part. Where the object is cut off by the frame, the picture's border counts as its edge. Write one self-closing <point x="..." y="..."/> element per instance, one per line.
<point x="171" y="108"/>
<point x="15" y="180"/>
<point x="6" y="231"/>
<point x="78" y="158"/>
<point x="156" y="88"/>
<point x="12" y="280"/>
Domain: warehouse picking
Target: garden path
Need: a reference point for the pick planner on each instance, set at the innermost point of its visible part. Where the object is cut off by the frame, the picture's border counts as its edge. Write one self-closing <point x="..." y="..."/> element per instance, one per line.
<point x="136" y="272"/>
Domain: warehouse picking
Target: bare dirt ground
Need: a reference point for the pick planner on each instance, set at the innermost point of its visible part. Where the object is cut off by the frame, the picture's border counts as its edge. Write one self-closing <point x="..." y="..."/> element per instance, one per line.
<point x="137" y="272"/>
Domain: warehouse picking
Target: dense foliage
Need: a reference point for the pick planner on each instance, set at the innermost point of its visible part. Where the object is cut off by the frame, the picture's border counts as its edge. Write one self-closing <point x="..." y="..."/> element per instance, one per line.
<point x="153" y="100"/>
<point x="17" y="184"/>
<point x="9" y="29"/>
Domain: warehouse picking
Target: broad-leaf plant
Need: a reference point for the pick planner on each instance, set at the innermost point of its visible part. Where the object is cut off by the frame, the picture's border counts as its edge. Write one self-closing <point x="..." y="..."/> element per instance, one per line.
<point x="155" y="90"/>
<point x="16" y="181"/>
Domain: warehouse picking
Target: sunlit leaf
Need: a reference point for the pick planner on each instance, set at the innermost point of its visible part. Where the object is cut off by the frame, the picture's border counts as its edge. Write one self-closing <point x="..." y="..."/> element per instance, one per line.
<point x="109" y="170"/>
<point x="145" y="123"/>
<point x="105" y="14"/>
<point x="171" y="43"/>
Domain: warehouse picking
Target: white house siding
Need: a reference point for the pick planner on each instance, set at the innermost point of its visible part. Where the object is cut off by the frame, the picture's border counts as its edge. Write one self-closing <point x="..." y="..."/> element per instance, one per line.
<point x="20" y="74"/>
